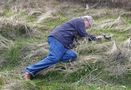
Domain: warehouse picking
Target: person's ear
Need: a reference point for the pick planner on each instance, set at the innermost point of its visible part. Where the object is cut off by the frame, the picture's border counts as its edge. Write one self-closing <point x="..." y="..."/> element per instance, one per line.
<point x="86" y="23"/>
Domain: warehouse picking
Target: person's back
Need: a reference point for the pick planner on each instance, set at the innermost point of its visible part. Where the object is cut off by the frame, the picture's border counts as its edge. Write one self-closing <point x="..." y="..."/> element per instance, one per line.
<point x="67" y="31"/>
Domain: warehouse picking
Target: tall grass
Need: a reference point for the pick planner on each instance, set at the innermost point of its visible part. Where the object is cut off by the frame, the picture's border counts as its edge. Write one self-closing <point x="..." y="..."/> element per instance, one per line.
<point x="13" y="56"/>
<point x="86" y="76"/>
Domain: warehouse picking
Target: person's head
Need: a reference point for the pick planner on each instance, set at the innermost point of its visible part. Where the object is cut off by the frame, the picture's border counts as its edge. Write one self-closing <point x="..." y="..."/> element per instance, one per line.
<point x="88" y="20"/>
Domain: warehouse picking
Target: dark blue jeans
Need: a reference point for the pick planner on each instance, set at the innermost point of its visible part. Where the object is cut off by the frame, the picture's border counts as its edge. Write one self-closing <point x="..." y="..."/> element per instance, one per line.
<point x="57" y="52"/>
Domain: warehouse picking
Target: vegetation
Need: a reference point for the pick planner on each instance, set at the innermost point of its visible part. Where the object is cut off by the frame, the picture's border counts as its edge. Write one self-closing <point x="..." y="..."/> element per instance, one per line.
<point x="103" y="65"/>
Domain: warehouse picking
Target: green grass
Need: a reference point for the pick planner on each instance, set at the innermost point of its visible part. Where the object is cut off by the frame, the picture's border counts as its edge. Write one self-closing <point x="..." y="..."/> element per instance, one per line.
<point x="117" y="35"/>
<point x="7" y="13"/>
<point x="76" y="80"/>
<point x="119" y="80"/>
<point x="28" y="18"/>
<point x="55" y="80"/>
<point x="87" y="49"/>
<point x="128" y="19"/>
<point x="44" y="84"/>
<point x="1" y="81"/>
<point x="13" y="56"/>
<point x="53" y="22"/>
<point x="83" y="87"/>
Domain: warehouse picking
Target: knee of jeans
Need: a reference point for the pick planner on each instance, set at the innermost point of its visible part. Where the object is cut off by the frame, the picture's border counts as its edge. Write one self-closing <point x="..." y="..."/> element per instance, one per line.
<point x="74" y="55"/>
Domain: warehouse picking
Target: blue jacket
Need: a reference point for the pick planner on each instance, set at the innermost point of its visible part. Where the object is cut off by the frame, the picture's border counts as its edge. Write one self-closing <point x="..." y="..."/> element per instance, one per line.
<point x="67" y="32"/>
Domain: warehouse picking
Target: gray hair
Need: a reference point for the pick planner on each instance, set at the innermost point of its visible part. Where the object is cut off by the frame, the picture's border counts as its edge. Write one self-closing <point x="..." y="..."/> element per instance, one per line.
<point x="88" y="18"/>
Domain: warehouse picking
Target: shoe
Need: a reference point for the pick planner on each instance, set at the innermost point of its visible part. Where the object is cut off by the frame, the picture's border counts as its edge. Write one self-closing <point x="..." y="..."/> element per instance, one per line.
<point x="27" y="76"/>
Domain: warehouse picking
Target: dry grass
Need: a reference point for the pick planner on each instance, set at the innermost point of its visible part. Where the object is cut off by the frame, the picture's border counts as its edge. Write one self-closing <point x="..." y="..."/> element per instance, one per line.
<point x="118" y="58"/>
<point x="5" y="43"/>
<point x="115" y="61"/>
<point x="12" y="28"/>
<point x="116" y="24"/>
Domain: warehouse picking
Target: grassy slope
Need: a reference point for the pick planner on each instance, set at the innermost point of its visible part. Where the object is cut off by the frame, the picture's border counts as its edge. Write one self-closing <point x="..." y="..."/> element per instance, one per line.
<point x="56" y="80"/>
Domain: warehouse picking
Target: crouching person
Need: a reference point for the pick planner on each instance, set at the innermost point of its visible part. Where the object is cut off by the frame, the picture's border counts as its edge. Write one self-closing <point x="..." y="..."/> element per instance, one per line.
<point x="60" y="42"/>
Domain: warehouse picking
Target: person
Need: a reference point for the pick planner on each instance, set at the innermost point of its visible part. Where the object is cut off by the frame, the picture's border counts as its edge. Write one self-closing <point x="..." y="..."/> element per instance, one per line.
<point x="60" y="42"/>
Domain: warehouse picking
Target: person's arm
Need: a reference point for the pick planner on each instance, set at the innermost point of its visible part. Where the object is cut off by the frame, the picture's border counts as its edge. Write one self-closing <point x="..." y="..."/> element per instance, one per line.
<point x="79" y="25"/>
<point x="82" y="32"/>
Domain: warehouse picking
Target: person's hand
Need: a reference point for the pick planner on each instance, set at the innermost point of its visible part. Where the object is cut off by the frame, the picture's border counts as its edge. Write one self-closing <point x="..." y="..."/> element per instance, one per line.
<point x="92" y="38"/>
<point x="99" y="38"/>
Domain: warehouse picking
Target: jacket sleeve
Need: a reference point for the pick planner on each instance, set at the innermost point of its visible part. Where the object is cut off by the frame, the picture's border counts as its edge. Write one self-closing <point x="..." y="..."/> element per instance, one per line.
<point x="79" y="25"/>
<point x="82" y="32"/>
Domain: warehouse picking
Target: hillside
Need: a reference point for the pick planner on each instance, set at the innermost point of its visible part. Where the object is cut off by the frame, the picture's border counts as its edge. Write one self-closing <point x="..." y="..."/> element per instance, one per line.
<point x="102" y="65"/>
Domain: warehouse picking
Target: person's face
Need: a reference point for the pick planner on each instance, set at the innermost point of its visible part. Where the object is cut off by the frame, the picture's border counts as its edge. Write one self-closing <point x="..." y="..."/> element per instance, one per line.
<point x="88" y="24"/>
